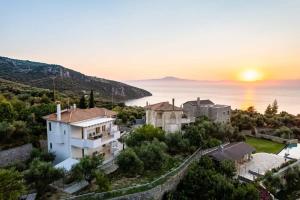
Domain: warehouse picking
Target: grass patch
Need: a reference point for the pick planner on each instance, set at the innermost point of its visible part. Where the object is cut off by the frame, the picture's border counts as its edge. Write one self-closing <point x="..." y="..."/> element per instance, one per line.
<point x="263" y="145"/>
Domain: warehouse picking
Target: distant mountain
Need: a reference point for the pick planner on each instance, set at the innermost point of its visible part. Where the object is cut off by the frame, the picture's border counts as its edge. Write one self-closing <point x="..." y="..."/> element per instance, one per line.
<point x="170" y="79"/>
<point x="164" y="79"/>
<point x="65" y="80"/>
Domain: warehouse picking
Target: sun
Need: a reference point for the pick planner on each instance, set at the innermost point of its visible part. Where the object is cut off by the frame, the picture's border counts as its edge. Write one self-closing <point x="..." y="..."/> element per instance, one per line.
<point x="251" y="75"/>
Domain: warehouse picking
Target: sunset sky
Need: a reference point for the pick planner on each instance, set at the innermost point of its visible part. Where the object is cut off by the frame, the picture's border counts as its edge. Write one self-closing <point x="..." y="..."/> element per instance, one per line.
<point x="125" y="40"/>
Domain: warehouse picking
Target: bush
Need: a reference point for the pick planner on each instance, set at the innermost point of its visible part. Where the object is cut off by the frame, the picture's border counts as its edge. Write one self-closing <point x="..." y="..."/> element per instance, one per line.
<point x="11" y="184"/>
<point x="152" y="154"/>
<point x="41" y="174"/>
<point x="176" y="143"/>
<point x="85" y="169"/>
<point x="144" y="133"/>
<point x="284" y="132"/>
<point x="102" y="182"/>
<point x="42" y="155"/>
<point x="129" y="163"/>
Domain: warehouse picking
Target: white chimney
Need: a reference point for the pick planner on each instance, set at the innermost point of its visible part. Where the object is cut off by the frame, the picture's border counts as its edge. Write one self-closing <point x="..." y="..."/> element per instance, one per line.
<point x="58" y="112"/>
<point x="74" y="106"/>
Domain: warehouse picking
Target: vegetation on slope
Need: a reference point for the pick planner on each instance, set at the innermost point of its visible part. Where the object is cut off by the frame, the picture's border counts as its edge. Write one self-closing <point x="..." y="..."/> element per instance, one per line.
<point x="66" y="80"/>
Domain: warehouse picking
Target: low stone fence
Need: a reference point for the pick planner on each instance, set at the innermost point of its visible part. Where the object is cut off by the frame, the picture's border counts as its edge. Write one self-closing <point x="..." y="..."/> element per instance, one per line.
<point x="153" y="190"/>
<point x="14" y="155"/>
<point x="270" y="137"/>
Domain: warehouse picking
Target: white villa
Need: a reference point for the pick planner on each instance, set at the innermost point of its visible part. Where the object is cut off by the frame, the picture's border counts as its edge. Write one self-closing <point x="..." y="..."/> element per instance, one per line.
<point x="74" y="133"/>
<point x="166" y="116"/>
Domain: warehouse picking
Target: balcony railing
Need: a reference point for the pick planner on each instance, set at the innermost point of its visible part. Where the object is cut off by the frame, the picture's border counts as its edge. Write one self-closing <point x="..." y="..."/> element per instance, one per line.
<point x="95" y="141"/>
<point x="81" y="143"/>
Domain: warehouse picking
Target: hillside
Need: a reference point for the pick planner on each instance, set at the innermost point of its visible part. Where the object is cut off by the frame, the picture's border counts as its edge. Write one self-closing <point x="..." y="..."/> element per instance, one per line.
<point x="68" y="81"/>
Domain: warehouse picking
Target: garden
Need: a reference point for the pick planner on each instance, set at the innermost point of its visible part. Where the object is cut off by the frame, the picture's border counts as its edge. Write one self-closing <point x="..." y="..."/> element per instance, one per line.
<point x="263" y="145"/>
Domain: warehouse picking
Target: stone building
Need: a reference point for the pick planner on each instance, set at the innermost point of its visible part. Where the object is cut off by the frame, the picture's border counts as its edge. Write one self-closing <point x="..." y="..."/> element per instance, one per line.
<point x="215" y="112"/>
<point x="166" y="116"/>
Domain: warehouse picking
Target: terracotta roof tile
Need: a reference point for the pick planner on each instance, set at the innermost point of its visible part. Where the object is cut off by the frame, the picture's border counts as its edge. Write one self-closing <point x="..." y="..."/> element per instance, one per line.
<point x="76" y="115"/>
<point x="163" y="106"/>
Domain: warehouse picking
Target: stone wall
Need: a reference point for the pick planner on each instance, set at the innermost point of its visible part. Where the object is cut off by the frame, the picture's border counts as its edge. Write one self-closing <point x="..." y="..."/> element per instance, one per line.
<point x="270" y="137"/>
<point x="157" y="192"/>
<point x="13" y="155"/>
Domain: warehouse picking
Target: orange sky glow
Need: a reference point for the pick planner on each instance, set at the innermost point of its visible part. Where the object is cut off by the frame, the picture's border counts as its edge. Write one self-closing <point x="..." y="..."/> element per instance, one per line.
<point x="130" y="40"/>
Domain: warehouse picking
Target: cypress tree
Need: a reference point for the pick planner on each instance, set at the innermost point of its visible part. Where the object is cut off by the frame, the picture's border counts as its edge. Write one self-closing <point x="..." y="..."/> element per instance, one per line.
<point x="82" y="103"/>
<point x="91" y="100"/>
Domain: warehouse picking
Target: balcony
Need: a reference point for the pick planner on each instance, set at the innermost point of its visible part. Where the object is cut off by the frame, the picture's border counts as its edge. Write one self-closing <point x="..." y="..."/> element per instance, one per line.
<point x="95" y="141"/>
<point x="81" y="143"/>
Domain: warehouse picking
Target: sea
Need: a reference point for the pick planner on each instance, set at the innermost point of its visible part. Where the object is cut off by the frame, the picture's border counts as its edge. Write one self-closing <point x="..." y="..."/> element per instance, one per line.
<point x="237" y="94"/>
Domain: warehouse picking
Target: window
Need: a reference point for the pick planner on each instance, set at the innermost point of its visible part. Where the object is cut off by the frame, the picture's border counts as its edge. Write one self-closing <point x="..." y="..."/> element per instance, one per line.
<point x="50" y="145"/>
<point x="173" y="118"/>
<point x="98" y="130"/>
<point x="50" y="126"/>
<point x="103" y="128"/>
<point x="64" y="132"/>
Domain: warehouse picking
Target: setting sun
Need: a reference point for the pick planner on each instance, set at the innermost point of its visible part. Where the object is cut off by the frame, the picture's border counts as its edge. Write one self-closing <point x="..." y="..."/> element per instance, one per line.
<point x="251" y="75"/>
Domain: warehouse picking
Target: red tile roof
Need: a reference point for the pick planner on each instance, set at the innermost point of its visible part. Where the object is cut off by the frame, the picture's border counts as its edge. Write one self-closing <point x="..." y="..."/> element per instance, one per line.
<point x="76" y="115"/>
<point x="163" y="106"/>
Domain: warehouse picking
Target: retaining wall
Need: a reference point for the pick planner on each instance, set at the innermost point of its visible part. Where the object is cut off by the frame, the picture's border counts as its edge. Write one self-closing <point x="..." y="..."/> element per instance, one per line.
<point x="271" y="137"/>
<point x="13" y="155"/>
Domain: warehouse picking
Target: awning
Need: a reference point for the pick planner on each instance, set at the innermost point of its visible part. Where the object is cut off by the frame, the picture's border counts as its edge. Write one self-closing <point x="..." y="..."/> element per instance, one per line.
<point x="67" y="164"/>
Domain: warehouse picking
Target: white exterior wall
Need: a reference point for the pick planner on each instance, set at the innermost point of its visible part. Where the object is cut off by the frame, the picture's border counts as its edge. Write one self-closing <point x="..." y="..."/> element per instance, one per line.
<point x="59" y="139"/>
<point x="66" y="140"/>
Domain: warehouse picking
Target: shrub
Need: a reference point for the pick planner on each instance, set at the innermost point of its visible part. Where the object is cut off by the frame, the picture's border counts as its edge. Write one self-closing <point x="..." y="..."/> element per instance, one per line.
<point x="129" y="163"/>
<point x="102" y="182"/>
<point x="152" y="154"/>
<point x="144" y="133"/>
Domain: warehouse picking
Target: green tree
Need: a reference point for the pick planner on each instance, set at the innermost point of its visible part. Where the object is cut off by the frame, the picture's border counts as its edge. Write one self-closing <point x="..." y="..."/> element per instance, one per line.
<point x="6" y="130"/>
<point x="275" y="107"/>
<point x="85" y="169"/>
<point x="41" y="174"/>
<point x="6" y="111"/>
<point x="82" y="103"/>
<point x="176" y="143"/>
<point x="129" y="163"/>
<point x="144" y="133"/>
<point x="42" y="155"/>
<point x="152" y="154"/>
<point x="21" y="131"/>
<point x="269" y="111"/>
<point x="272" y="183"/>
<point x="11" y="184"/>
<point x="227" y="168"/>
<point x="245" y="192"/>
<point x="284" y="132"/>
<point x="91" y="100"/>
<point x="102" y="182"/>
<point x="205" y="180"/>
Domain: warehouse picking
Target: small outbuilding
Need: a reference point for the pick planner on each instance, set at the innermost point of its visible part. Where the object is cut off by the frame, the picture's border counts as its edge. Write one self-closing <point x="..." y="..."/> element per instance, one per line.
<point x="238" y="152"/>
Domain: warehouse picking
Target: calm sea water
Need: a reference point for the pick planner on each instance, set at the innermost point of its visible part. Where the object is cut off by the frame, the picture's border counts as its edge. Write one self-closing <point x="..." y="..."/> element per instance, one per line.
<point x="238" y="95"/>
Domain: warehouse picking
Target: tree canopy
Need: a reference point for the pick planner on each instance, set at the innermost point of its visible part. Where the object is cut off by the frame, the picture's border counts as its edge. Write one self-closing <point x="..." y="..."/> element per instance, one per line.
<point x="11" y="184"/>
